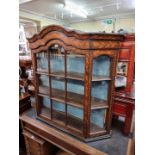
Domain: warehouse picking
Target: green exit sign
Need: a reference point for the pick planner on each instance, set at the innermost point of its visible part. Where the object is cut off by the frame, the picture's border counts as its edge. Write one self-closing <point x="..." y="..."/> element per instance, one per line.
<point x="108" y="21"/>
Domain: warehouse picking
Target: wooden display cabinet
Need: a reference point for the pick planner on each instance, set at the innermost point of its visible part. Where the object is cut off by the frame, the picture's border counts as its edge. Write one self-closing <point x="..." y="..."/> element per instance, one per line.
<point x="124" y="93"/>
<point x="126" y="64"/>
<point x="74" y="80"/>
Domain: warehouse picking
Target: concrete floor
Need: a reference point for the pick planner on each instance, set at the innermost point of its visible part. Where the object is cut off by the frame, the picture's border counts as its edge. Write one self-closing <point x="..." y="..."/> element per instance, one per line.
<point x="117" y="144"/>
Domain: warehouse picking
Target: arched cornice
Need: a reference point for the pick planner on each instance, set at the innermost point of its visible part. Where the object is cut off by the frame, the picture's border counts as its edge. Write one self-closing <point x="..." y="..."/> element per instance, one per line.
<point x="74" y="38"/>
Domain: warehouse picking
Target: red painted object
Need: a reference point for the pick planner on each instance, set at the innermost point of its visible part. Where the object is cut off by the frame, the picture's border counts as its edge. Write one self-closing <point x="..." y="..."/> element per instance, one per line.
<point x="127" y="54"/>
<point x="124" y="54"/>
<point x="119" y="108"/>
<point x="123" y="103"/>
<point x="123" y="106"/>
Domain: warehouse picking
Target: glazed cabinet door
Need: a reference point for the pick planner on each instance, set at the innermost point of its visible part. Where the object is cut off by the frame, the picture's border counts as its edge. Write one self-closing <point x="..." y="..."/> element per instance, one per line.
<point x="60" y="83"/>
<point x="42" y="84"/>
<point x="101" y="87"/>
<point x="75" y="72"/>
<point x="57" y="84"/>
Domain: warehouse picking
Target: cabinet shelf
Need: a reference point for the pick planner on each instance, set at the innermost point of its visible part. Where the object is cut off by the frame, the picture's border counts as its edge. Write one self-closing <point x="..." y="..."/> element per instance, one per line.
<point x="123" y="60"/>
<point x="100" y="78"/>
<point x="73" y="99"/>
<point x="44" y="90"/>
<point x="73" y="122"/>
<point x="98" y="104"/>
<point x="42" y="72"/>
<point x="45" y="112"/>
<point x="70" y="75"/>
<point x="122" y="74"/>
<point x="73" y="75"/>
<point x="43" y="95"/>
<point x="58" y="117"/>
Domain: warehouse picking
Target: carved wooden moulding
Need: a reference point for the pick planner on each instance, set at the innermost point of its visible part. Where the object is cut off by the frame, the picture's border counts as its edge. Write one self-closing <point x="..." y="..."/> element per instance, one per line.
<point x="74" y="79"/>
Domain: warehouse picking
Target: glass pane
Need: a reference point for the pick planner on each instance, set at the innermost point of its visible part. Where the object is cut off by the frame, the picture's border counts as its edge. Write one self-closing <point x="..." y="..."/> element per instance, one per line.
<point x="97" y="120"/>
<point x="75" y="92"/>
<point x="121" y="78"/>
<point x="75" y="66"/>
<point x="43" y="81"/>
<point x="122" y="68"/>
<point x="58" y="113"/>
<point x="101" y="66"/>
<point x="75" y="117"/>
<point x="58" y="89"/>
<point x="120" y="81"/>
<point x="57" y="60"/>
<point x="99" y="92"/>
<point x="45" y="106"/>
<point x="42" y="62"/>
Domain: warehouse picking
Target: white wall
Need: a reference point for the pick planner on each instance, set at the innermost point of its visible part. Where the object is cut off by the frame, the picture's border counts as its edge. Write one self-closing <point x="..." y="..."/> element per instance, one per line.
<point x="96" y="26"/>
<point x="43" y="20"/>
<point x="93" y="26"/>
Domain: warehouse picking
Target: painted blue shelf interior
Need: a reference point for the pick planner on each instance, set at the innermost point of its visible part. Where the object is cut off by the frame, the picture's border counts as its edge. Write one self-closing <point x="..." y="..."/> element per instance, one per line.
<point x="42" y="61"/>
<point x="75" y="86"/>
<point x="100" y="90"/>
<point x="97" y="117"/>
<point x="75" y="64"/>
<point x="45" y="102"/>
<point x="43" y="80"/>
<point x="58" y="106"/>
<point x="58" y="83"/>
<point x="57" y="63"/>
<point x="76" y="112"/>
<point x="101" y="66"/>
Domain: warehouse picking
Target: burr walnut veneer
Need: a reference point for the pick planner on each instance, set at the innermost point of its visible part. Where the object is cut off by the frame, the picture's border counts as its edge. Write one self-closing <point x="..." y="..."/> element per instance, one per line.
<point x="74" y="80"/>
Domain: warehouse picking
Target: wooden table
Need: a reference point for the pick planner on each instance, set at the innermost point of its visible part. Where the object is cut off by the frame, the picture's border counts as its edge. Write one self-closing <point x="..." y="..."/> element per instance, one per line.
<point x="25" y="63"/>
<point x="35" y="128"/>
<point x="24" y="102"/>
<point x="123" y="105"/>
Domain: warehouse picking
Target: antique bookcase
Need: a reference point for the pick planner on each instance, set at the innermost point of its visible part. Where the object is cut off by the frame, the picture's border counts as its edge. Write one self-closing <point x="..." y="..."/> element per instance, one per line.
<point x="74" y="80"/>
<point x="126" y="65"/>
<point x="124" y="100"/>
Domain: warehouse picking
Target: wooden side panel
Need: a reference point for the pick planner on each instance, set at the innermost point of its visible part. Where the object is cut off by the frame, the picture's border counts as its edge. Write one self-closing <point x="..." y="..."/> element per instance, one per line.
<point x="131" y="69"/>
<point x="87" y="104"/>
<point x="111" y="90"/>
<point x="124" y="54"/>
